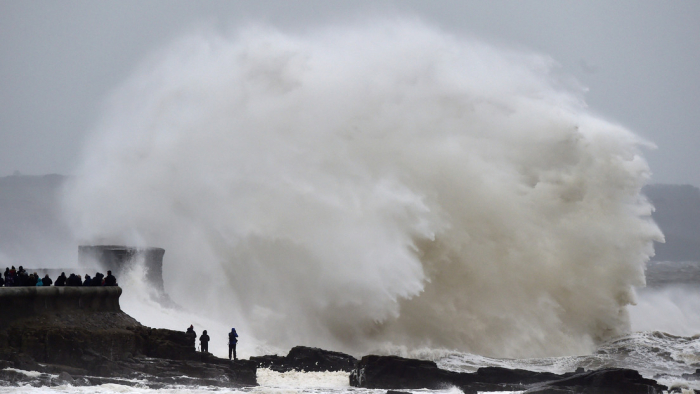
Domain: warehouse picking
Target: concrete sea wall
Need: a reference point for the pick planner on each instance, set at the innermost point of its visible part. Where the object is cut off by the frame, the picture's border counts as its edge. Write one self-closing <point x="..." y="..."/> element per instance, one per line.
<point x="26" y="301"/>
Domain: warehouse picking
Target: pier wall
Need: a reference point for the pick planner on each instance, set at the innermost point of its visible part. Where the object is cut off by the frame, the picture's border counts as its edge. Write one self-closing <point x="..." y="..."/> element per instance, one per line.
<point x="27" y="301"/>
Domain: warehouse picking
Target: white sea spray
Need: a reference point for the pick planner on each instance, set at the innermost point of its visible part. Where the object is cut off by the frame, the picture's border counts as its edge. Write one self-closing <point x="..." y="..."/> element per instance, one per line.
<point x="372" y="186"/>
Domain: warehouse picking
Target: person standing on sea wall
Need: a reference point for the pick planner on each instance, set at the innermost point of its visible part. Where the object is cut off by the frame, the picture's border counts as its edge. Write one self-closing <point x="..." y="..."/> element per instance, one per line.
<point x="61" y="280"/>
<point x="232" y="341"/>
<point x="110" y="280"/>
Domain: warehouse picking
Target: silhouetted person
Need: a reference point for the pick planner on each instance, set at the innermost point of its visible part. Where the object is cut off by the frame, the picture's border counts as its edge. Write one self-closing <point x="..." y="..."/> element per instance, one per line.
<point x="61" y="280"/>
<point x="2" y="282"/>
<point x="39" y="282"/>
<point x="191" y="335"/>
<point x="11" y="279"/>
<point x="22" y="277"/>
<point x="31" y="280"/>
<point x="204" y="341"/>
<point x="74" y="280"/>
<point x="47" y="281"/>
<point x="87" y="281"/>
<point x="110" y="280"/>
<point x="97" y="280"/>
<point x="232" y="341"/>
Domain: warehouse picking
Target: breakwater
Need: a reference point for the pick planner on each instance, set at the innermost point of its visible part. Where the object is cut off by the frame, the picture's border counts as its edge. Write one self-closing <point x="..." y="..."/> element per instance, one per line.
<point x="18" y="302"/>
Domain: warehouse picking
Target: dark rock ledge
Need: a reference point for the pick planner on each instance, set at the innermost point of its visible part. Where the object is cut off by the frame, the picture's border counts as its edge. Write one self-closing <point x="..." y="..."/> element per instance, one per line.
<point x="307" y="359"/>
<point x="83" y="336"/>
<point x="391" y="372"/>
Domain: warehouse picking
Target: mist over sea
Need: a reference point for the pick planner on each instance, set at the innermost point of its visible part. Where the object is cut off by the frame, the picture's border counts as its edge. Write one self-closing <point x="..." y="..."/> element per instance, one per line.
<point x="382" y="188"/>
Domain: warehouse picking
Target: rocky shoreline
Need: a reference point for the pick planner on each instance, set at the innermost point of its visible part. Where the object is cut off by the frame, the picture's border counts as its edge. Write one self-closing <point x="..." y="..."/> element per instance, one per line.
<point x="83" y="338"/>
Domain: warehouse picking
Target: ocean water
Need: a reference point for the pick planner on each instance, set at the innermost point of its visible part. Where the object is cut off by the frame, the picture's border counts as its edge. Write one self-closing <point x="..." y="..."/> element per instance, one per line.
<point x="387" y="188"/>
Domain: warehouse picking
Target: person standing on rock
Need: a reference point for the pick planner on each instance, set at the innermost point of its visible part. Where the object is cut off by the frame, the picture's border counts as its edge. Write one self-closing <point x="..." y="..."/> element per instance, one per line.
<point x="191" y="334"/>
<point x="232" y="341"/>
<point x="204" y="342"/>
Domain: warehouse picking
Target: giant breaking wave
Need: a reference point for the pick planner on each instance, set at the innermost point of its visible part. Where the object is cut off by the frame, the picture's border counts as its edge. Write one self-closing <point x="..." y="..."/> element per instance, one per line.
<point x="371" y="187"/>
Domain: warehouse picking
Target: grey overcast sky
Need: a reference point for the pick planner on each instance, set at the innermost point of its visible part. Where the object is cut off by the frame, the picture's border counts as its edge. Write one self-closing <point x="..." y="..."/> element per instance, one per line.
<point x="59" y="59"/>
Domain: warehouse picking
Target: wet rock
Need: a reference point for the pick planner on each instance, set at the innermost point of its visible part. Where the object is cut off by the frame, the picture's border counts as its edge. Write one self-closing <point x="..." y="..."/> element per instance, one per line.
<point x="391" y="372"/>
<point x="307" y="359"/>
<point x="550" y="390"/>
<point x="63" y="378"/>
<point x="692" y="376"/>
<point x="605" y="381"/>
<point x="94" y="346"/>
<point x="510" y="376"/>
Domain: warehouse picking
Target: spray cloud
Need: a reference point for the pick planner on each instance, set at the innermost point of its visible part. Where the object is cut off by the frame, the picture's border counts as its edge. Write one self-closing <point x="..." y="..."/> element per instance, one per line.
<point x="372" y="185"/>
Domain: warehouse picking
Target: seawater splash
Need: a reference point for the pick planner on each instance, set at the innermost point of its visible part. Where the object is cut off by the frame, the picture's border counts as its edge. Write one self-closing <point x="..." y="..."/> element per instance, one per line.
<point x="372" y="187"/>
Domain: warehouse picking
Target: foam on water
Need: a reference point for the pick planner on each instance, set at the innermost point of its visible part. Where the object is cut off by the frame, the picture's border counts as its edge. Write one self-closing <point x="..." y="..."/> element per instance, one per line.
<point x="295" y="379"/>
<point x="31" y="374"/>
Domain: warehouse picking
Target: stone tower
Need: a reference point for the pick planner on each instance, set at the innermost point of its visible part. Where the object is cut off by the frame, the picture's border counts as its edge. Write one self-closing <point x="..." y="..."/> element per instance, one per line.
<point x="119" y="258"/>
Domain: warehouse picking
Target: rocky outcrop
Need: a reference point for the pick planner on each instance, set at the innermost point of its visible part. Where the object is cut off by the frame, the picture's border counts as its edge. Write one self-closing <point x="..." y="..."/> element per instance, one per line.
<point x="604" y="381"/>
<point x="82" y="332"/>
<point x="391" y="372"/>
<point x="307" y="359"/>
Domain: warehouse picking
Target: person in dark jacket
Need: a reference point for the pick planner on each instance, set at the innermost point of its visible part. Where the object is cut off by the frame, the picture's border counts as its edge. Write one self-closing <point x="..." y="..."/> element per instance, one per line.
<point x="110" y="280"/>
<point x="97" y="280"/>
<point x="74" y="280"/>
<point x="47" y="281"/>
<point x="61" y="280"/>
<point x="22" y="277"/>
<point x="2" y="282"/>
<point x="11" y="279"/>
<point x="191" y="334"/>
<point x="87" y="281"/>
<point x="31" y="280"/>
<point x="232" y="341"/>
<point x="204" y="342"/>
